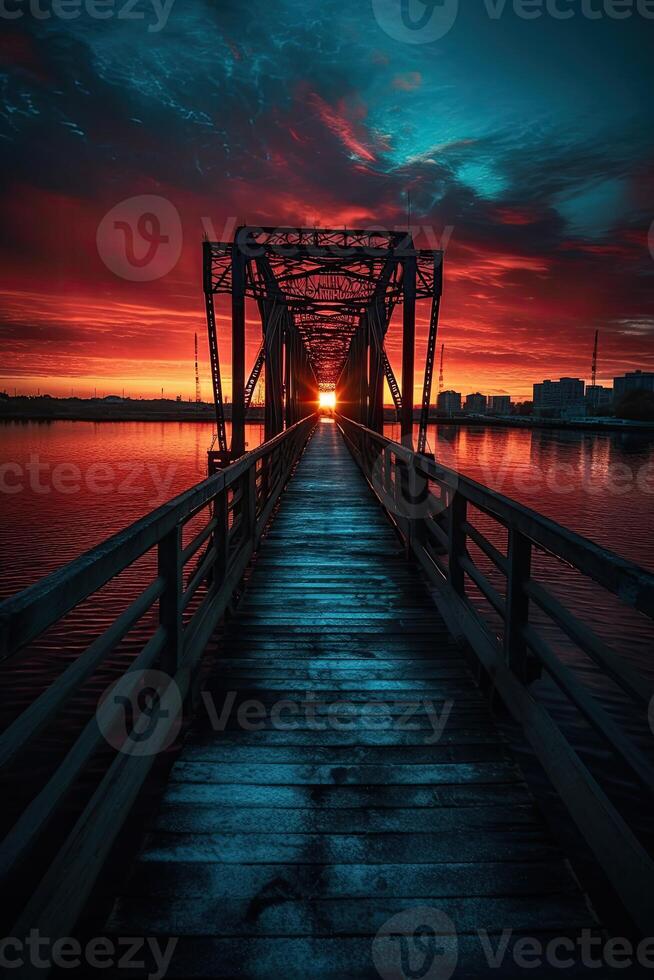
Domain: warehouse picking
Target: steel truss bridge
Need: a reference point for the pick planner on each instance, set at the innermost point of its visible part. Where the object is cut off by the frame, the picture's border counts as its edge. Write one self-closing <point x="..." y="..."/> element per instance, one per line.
<point x="325" y="298"/>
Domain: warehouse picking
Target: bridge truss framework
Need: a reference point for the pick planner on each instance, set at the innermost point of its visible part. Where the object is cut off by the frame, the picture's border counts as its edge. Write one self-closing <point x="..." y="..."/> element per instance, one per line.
<point x="325" y="299"/>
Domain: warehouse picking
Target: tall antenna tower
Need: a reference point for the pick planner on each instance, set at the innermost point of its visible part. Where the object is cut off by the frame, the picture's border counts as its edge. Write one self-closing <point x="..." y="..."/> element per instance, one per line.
<point x="198" y="394"/>
<point x="595" y="351"/>
<point x="441" y="377"/>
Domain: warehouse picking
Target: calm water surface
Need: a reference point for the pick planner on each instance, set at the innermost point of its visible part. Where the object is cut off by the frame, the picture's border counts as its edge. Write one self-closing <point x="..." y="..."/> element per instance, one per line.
<point x="600" y="485"/>
<point x="66" y="486"/>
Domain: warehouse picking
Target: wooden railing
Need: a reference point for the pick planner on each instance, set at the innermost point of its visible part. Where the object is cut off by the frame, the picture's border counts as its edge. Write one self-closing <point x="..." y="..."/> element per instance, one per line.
<point x="193" y="583"/>
<point x="432" y="507"/>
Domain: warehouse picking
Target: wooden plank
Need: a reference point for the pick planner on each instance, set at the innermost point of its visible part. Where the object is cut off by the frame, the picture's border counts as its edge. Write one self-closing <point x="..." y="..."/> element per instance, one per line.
<point x="363" y="775"/>
<point x="181" y="881"/>
<point x="296" y="958"/>
<point x="428" y="848"/>
<point x="278" y="914"/>
<point x="195" y="819"/>
<point x="425" y="755"/>
<point x="347" y="797"/>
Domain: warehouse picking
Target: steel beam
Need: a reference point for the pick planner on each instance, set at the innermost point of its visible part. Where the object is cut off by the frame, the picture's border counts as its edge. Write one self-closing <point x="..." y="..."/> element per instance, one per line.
<point x="273" y="340"/>
<point x="408" y="347"/>
<point x="431" y="353"/>
<point x="212" y="330"/>
<point x="239" y="265"/>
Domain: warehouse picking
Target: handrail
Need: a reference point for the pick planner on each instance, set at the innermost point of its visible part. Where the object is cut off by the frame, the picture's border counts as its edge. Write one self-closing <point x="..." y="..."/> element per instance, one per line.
<point x="236" y="505"/>
<point x="428" y="503"/>
<point x="24" y="616"/>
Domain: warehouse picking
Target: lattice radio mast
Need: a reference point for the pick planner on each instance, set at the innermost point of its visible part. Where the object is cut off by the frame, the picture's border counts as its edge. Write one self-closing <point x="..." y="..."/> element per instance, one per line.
<point x="198" y="394"/>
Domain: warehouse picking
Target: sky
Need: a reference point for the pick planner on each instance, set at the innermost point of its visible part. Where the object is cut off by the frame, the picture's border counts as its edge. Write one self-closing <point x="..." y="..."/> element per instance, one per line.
<point x="526" y="145"/>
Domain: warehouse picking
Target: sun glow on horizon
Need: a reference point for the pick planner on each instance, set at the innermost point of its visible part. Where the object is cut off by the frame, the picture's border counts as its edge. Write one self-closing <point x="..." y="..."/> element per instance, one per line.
<point x="327" y="399"/>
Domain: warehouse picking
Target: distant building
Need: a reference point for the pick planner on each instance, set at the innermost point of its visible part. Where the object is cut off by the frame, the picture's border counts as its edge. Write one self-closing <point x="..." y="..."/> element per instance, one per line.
<point x="633" y="381"/>
<point x="597" y="396"/>
<point x="476" y="404"/>
<point x="564" y="397"/>
<point x="449" y="402"/>
<point x="577" y="410"/>
<point x="113" y="399"/>
<point x="499" y="404"/>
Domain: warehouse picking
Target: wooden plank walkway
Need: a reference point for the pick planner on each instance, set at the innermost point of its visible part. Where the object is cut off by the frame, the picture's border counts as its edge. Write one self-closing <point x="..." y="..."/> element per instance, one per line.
<point x="281" y="853"/>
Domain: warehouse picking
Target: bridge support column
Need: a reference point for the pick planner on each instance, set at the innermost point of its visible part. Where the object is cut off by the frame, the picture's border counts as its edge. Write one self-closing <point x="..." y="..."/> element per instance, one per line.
<point x="351" y="390"/>
<point x="307" y="387"/>
<point x="376" y="369"/>
<point x="212" y="332"/>
<point x="408" y="348"/>
<point x="274" y="341"/>
<point x="290" y="373"/>
<point x="431" y="353"/>
<point x="361" y="372"/>
<point x="238" y="350"/>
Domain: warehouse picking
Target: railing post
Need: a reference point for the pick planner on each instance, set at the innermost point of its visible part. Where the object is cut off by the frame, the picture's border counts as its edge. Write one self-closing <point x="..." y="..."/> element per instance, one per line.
<point x="400" y="484"/>
<point x="417" y="490"/>
<point x="457" y="517"/>
<point x="170" y="603"/>
<point x="221" y="540"/>
<point x="517" y="603"/>
<point x="249" y="504"/>
<point x="387" y="470"/>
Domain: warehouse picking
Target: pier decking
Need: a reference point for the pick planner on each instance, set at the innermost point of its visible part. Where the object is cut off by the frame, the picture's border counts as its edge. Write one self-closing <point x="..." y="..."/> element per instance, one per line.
<point x="372" y="781"/>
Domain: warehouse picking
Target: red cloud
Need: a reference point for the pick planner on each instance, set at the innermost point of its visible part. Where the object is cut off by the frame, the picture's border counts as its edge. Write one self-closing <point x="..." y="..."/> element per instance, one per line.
<point x="338" y="123"/>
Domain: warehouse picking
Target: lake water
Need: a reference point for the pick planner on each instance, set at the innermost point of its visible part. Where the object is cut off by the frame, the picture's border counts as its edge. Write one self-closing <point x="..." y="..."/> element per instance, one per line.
<point x="68" y="485"/>
<point x="65" y="486"/>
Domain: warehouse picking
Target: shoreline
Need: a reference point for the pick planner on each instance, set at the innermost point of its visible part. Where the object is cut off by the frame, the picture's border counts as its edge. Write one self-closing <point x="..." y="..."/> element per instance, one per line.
<point x="25" y="410"/>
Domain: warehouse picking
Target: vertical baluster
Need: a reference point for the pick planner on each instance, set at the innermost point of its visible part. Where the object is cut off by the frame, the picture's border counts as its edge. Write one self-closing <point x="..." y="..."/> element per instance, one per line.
<point x="517" y="603"/>
<point x="221" y="540"/>
<point x="418" y="491"/>
<point x="387" y="474"/>
<point x="399" y="485"/>
<point x="170" y="603"/>
<point x="457" y="515"/>
<point x="249" y="504"/>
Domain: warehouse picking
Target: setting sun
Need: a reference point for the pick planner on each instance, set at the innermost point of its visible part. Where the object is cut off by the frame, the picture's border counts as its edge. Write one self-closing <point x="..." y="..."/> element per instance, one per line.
<point x="327" y="399"/>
